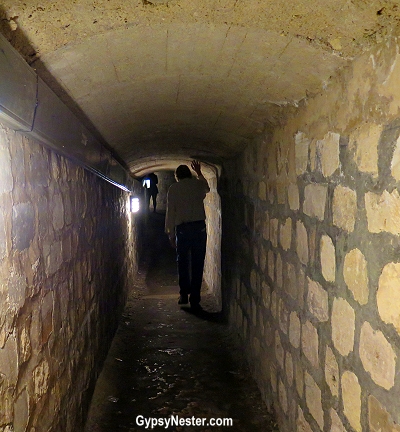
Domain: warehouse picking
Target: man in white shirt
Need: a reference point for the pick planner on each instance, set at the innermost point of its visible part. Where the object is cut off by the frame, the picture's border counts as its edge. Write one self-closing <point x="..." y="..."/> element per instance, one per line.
<point x="186" y="229"/>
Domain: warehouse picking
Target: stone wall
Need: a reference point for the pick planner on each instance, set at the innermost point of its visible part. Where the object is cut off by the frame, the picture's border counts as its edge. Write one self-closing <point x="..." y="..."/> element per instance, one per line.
<point x="67" y="259"/>
<point x="311" y="254"/>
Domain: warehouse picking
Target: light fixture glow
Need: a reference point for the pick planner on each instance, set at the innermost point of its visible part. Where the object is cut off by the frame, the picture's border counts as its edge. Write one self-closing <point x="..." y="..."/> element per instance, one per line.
<point x="135" y="204"/>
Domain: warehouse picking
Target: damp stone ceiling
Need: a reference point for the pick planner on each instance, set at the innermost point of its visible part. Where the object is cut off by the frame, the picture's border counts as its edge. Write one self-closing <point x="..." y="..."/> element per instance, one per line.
<point x="163" y="79"/>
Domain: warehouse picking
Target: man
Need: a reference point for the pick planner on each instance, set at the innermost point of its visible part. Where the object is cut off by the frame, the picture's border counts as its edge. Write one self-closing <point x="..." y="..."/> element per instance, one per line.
<point x="151" y="190"/>
<point x="186" y="229"/>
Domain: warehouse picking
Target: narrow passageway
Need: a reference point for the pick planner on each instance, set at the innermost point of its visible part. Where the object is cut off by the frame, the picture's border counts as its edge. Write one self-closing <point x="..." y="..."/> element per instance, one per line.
<point x="165" y="361"/>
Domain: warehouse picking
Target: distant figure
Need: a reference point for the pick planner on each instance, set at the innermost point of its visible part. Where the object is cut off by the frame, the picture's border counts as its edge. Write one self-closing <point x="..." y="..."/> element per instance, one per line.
<point x="151" y="190"/>
<point x="186" y="229"/>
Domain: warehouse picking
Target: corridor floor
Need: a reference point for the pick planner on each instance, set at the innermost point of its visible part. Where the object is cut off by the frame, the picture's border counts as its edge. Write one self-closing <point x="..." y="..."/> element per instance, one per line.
<point x="166" y="362"/>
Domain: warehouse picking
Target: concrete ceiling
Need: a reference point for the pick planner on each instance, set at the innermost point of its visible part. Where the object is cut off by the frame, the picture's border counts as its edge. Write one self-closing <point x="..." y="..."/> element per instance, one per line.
<point x="172" y="79"/>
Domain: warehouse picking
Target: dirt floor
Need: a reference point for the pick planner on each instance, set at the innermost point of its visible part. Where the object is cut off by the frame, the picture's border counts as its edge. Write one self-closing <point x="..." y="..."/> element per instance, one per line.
<point x="166" y="361"/>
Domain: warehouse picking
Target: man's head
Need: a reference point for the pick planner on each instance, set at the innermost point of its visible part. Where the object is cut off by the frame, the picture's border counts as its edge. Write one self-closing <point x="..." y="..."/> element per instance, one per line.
<point x="183" y="171"/>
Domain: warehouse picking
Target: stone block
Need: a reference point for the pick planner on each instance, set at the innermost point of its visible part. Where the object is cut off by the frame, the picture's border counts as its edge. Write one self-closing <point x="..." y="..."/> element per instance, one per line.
<point x="43" y="216"/>
<point x="266" y="226"/>
<point x="273" y="234"/>
<point x="266" y="295"/>
<point x="291" y="280"/>
<point x="283" y="401"/>
<point x="309" y="343"/>
<point x="6" y="178"/>
<point x="47" y="316"/>
<point x="9" y="361"/>
<point x="302" y="425"/>
<point x="286" y="234"/>
<point x="355" y="275"/>
<point x="271" y="192"/>
<point x="58" y="212"/>
<point x="40" y="377"/>
<point x="328" y="259"/>
<point x="271" y="265"/>
<point x="379" y="419"/>
<point x="54" y="258"/>
<point x="317" y="300"/>
<point x="395" y="164"/>
<point x="344" y="208"/>
<point x="314" y="400"/>
<point x="17" y="289"/>
<point x="260" y="324"/>
<point x="6" y="412"/>
<point x="351" y="394"/>
<point x="21" y="412"/>
<point x="262" y="191"/>
<point x="24" y="345"/>
<point x="377" y="356"/>
<point x="343" y="326"/>
<point x="289" y="368"/>
<point x="383" y="212"/>
<point x="328" y="150"/>
<point x="281" y="187"/>
<point x="332" y="372"/>
<point x="256" y="255"/>
<point x="364" y="145"/>
<point x="294" y="329"/>
<point x="388" y="295"/>
<point x="293" y="197"/>
<point x="67" y="248"/>
<point x="274" y="378"/>
<point x="274" y="304"/>
<point x="38" y="165"/>
<point x="336" y="423"/>
<point x="253" y="280"/>
<point x="301" y="143"/>
<point x="3" y="235"/>
<point x="302" y="242"/>
<point x="268" y="334"/>
<point x="23" y="225"/>
<point x="253" y="312"/>
<point x="315" y="200"/>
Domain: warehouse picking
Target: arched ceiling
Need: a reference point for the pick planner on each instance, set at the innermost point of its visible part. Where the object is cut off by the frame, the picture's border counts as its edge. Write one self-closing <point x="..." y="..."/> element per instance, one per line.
<point x="158" y="79"/>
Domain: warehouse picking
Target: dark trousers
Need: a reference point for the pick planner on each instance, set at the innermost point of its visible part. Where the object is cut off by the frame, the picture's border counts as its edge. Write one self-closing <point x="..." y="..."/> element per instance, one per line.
<point x="191" y="239"/>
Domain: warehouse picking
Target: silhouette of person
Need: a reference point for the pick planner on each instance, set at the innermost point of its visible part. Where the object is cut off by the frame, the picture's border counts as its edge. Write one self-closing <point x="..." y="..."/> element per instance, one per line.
<point x="186" y="228"/>
<point x="150" y="182"/>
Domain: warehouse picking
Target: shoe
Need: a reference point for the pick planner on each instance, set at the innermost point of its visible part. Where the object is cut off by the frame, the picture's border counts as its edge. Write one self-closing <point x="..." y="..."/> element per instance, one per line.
<point x="196" y="307"/>
<point x="183" y="299"/>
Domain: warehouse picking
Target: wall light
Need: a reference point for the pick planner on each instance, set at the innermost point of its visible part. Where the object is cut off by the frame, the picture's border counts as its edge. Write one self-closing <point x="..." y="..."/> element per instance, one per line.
<point x="135" y="204"/>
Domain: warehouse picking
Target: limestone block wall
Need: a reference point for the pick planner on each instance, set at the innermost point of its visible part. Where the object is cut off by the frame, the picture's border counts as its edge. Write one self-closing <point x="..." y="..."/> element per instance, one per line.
<point x="311" y="263"/>
<point x="67" y="259"/>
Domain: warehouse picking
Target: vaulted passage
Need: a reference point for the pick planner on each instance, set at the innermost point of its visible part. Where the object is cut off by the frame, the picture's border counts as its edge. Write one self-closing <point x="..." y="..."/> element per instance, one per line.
<point x="293" y="109"/>
<point x="168" y="361"/>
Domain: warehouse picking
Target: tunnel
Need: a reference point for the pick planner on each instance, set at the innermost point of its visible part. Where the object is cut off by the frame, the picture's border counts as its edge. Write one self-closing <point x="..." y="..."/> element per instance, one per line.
<point x="293" y="110"/>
